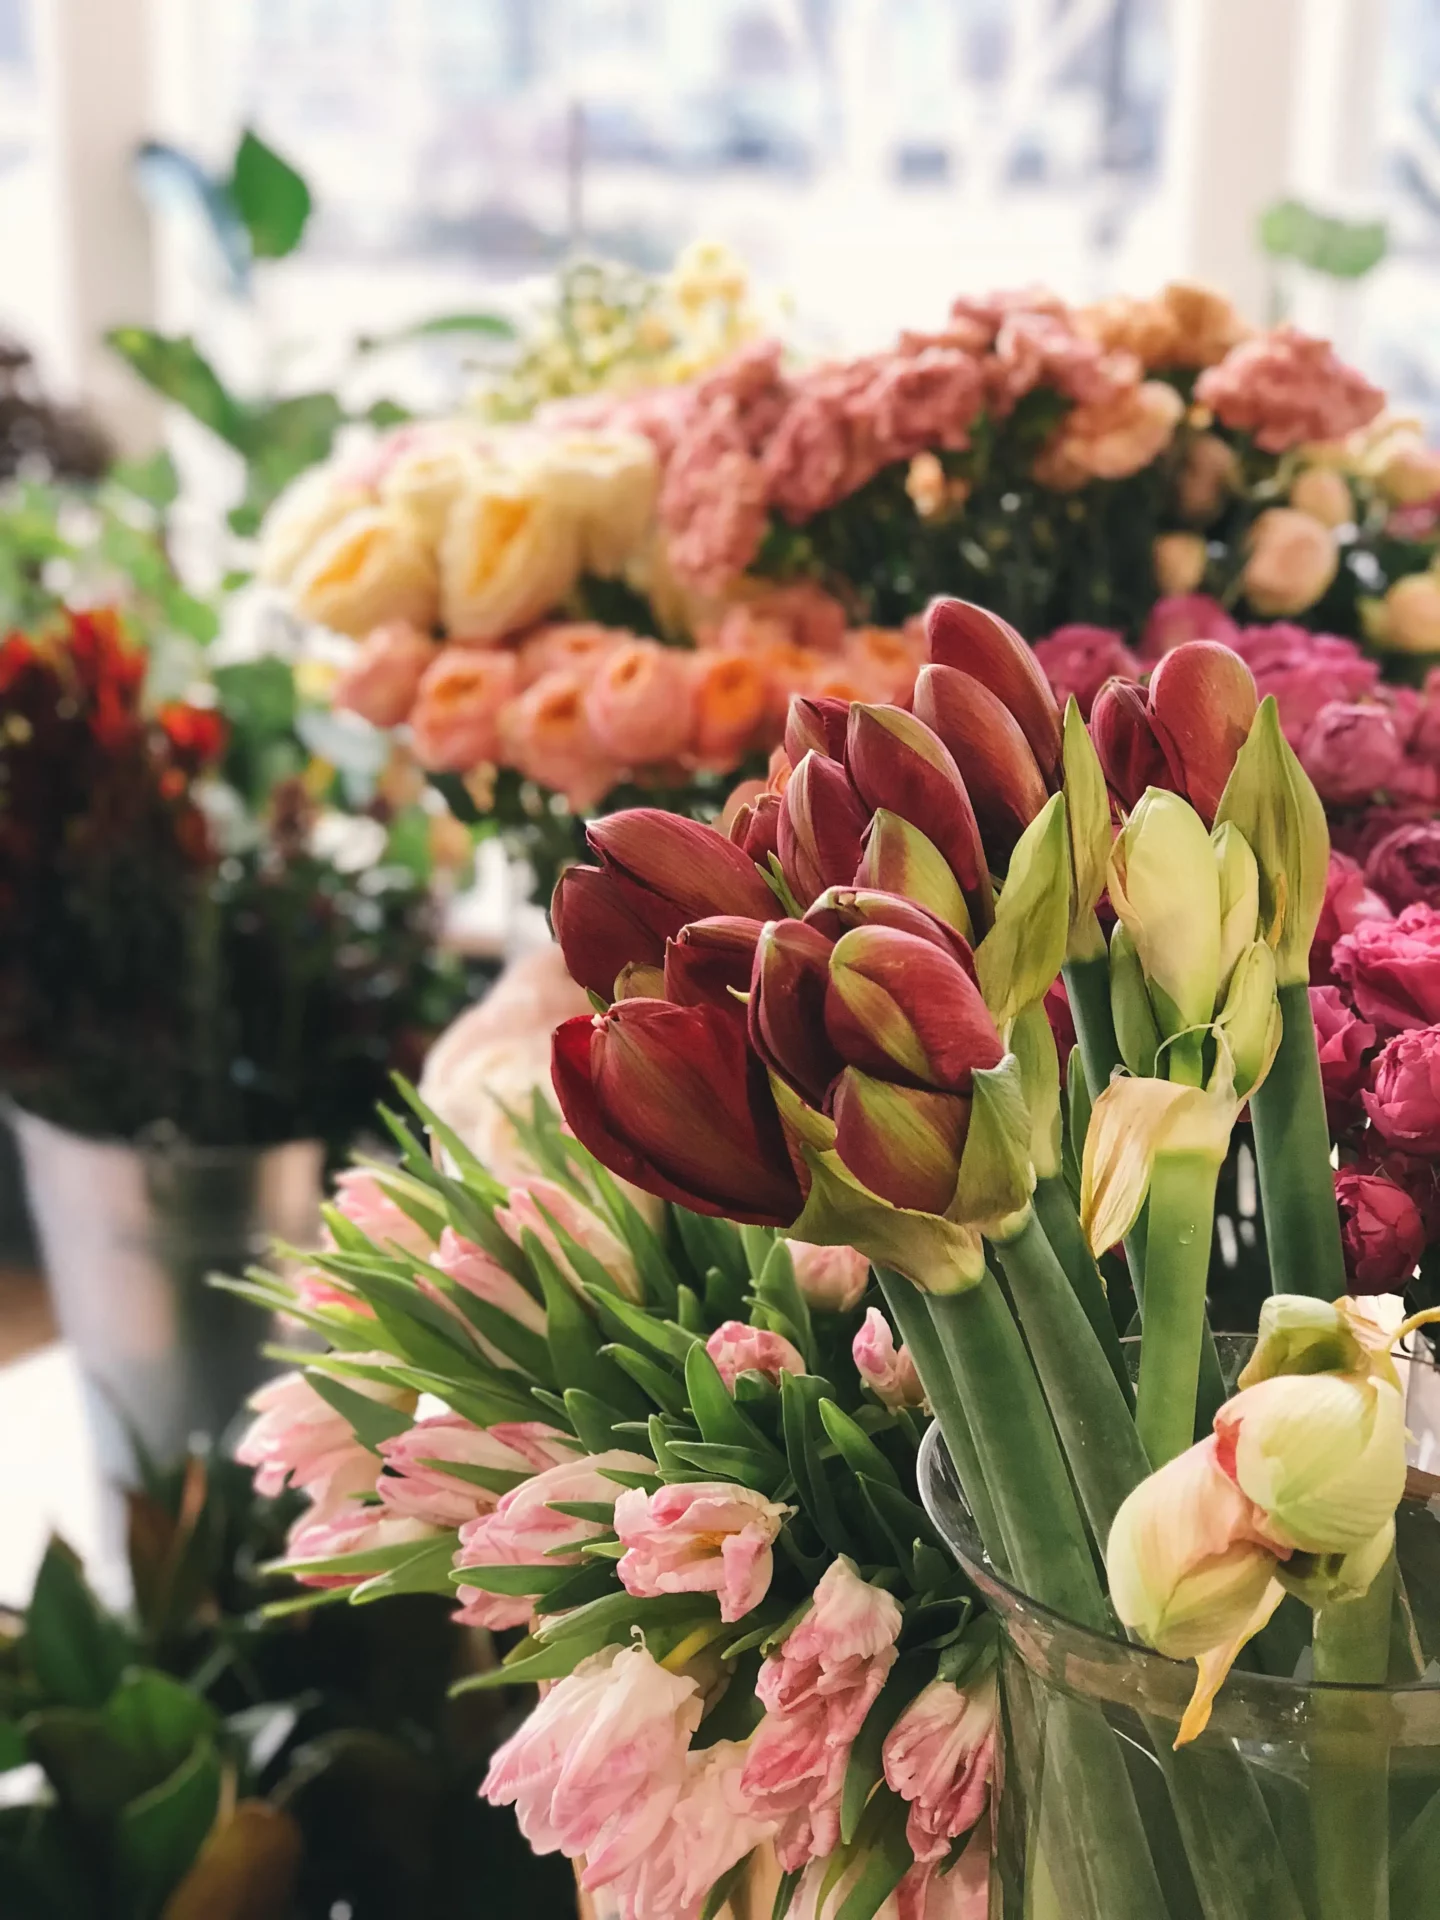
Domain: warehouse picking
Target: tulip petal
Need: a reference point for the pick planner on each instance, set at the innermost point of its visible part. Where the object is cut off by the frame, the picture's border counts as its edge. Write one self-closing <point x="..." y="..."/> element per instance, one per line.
<point x="788" y="988"/>
<point x="898" y="763"/>
<point x="821" y="826"/>
<point x="996" y="761"/>
<point x="963" y="635"/>
<point x="904" y="1143"/>
<point x="688" y="864"/>
<point x="603" y="923"/>
<point x="1202" y="705"/>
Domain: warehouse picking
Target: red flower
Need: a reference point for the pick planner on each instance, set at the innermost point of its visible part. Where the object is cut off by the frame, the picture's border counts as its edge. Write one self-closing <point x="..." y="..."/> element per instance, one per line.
<point x="197" y="734"/>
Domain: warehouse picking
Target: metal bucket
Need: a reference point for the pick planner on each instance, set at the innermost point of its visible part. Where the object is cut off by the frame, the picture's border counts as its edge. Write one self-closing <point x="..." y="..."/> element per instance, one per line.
<point x="127" y="1235"/>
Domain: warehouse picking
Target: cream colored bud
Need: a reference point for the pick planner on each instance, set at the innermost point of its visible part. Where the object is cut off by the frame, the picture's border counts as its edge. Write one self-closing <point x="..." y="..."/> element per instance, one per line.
<point x="1179" y="560"/>
<point x="1409" y="616"/>
<point x="1291" y="560"/>
<point x="1166" y="889"/>
<point x="1325" y="495"/>
<point x="1239" y="896"/>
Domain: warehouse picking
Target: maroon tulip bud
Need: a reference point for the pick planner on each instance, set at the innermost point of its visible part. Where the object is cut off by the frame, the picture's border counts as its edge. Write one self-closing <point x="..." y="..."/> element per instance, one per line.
<point x="840" y="908"/>
<point x="822" y="824"/>
<point x="903" y="1143"/>
<point x="900" y="859"/>
<point x="815" y="725"/>
<point x="693" y="867"/>
<point x="1202" y="704"/>
<point x="672" y="1099"/>
<point x="1005" y="784"/>
<point x="982" y="644"/>
<point x="756" y="828"/>
<point x="788" y="986"/>
<point x="709" y="957"/>
<point x="902" y="1008"/>
<point x="898" y="763"/>
<point x="1127" y="744"/>
<point x="603" y="924"/>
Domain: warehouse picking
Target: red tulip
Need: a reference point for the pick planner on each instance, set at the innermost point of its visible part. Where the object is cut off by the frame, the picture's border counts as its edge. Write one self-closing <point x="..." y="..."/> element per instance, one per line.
<point x="691" y="867"/>
<point x="822" y="824"/>
<point x="604" y="924"/>
<point x="898" y="763"/>
<point x="709" y="957"/>
<point x="815" y="725"/>
<point x="982" y="644"/>
<point x="903" y="1143"/>
<point x="672" y="1099"/>
<point x="1129" y="748"/>
<point x="1202" y="702"/>
<point x="787" y="1007"/>
<point x="1006" y="786"/>
<point x="902" y="1008"/>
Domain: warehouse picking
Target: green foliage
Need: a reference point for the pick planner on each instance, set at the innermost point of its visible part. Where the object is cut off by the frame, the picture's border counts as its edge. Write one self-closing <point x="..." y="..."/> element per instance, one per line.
<point x="270" y="197"/>
<point x="1340" y="249"/>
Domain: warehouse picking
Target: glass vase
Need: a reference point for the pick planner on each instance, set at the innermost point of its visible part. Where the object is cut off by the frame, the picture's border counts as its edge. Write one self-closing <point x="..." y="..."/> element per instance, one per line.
<point x="1300" y="1801"/>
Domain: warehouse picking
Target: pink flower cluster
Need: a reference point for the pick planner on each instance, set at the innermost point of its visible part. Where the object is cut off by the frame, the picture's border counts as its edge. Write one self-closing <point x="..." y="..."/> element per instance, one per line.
<point x="1285" y="388"/>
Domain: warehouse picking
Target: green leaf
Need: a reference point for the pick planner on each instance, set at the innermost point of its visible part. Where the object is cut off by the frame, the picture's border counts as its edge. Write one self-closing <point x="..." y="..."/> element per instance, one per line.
<point x="762" y="1471"/>
<point x="178" y="371"/>
<point x="153" y="480"/>
<point x="663" y="1387"/>
<point x="427" y="1570"/>
<point x="493" y="326"/>
<point x="493" y="1479"/>
<point x="562" y="1643"/>
<point x="157" y="1720"/>
<point x="720" y="1421"/>
<point x="1343" y="249"/>
<point x="650" y="1256"/>
<point x="856" y="1448"/>
<point x="591" y="1582"/>
<point x="662" y="1336"/>
<point x="257" y="697"/>
<point x="158" y="1835"/>
<point x="724" y="1887"/>
<point x="364" y="1561"/>
<point x="799" y="1394"/>
<point x="777" y="1287"/>
<point x="903" y="1519"/>
<point x="528" y="1349"/>
<point x="574" y="1340"/>
<point x="13" y="1751"/>
<point x="521" y="1582"/>
<point x="90" y="1769"/>
<point x="785" y="1893"/>
<point x="884" y="1855"/>
<point x="593" y="1421"/>
<point x="371" y="1421"/>
<point x="76" y="1650"/>
<point x="270" y="197"/>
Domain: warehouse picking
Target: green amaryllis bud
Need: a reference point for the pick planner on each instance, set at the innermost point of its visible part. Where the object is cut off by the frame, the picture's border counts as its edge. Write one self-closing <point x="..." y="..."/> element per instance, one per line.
<point x="1270" y="798"/>
<point x="899" y="858"/>
<point x="1087" y="811"/>
<point x="997" y="1172"/>
<point x="1322" y="1456"/>
<point x="1130" y="1008"/>
<point x="1020" y="957"/>
<point x="1239" y="896"/>
<point x="1249" y="1021"/>
<point x="903" y="1143"/>
<point x="900" y="1007"/>
<point x="1166" y="890"/>
<point x="1299" y="1334"/>
<point x="896" y="762"/>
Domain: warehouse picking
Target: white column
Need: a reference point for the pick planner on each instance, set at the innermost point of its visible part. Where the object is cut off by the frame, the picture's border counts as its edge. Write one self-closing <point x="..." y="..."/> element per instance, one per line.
<point x="93" y="72"/>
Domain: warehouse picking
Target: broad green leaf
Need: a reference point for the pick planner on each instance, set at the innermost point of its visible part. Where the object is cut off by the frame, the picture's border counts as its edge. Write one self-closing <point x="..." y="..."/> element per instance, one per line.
<point x="866" y="1764"/>
<point x="662" y="1386"/>
<point x="856" y="1448"/>
<point x="590" y="1582"/>
<point x="178" y="371"/>
<point x="884" y="1855"/>
<point x="724" y="1887"/>
<point x="720" y="1421"/>
<point x="520" y="1582"/>
<point x="76" y="1650"/>
<point x="13" y="1751"/>
<point x="493" y="326"/>
<point x="662" y="1336"/>
<point x="371" y="1421"/>
<point x="270" y="197"/>
<point x="158" y="1835"/>
<point x="595" y="1422"/>
<point x="799" y="1396"/>
<point x="762" y="1471"/>
<point x="426" y="1571"/>
<point x="153" y="480"/>
<point x="257" y="697"/>
<point x="574" y="1339"/>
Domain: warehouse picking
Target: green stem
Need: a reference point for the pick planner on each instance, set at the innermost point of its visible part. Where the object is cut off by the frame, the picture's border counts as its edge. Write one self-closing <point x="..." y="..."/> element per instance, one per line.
<point x="1292" y="1148"/>
<point x="1090" y="1412"/>
<point x="1087" y="987"/>
<point x="1350" y="1755"/>
<point x="1065" y="1234"/>
<point x="1182" y="1212"/>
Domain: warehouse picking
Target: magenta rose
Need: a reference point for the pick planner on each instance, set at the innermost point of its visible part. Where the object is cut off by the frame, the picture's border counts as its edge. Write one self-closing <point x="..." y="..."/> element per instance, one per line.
<point x="1350" y="750"/>
<point x="1179" y="617"/>
<point x="1419" y="1178"/>
<point x="1345" y="1041"/>
<point x="1305" y="671"/>
<point x="1404" y="1103"/>
<point x="1079" y="659"/>
<point x="1392" y="968"/>
<point x="1348" y="902"/>
<point x="1404" y="867"/>
<point x="1381" y="1228"/>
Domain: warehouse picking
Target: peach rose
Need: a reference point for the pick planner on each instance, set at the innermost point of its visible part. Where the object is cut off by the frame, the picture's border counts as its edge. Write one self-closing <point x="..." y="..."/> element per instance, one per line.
<point x="568" y="646"/>
<point x="1408" y="471"/>
<point x="1209" y="473"/>
<point x="1179" y="560"/>
<point x="1409" y="616"/>
<point x="1111" y="438"/>
<point x="1292" y="560"/>
<point x="885" y="660"/>
<point x="1325" y="495"/>
<point x="732" y="699"/>
<point x="546" y="734"/>
<point x="367" y="569"/>
<point x="458" y="706"/>
<point x="640" y="703"/>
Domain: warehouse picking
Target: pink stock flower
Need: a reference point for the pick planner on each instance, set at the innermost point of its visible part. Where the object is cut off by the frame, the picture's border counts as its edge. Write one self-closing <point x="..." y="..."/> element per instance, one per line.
<point x="699" y="1537"/>
<point x="1351" y="750"/>
<point x="1381" y="1229"/>
<point x="1079" y="660"/>
<point x="363" y="1200"/>
<point x="457" y="708"/>
<point x="381" y="682"/>
<point x="1404" y="867"/>
<point x="1305" y="671"/>
<point x="525" y="1211"/>
<point x="1348" y="903"/>
<point x="525" y="1530"/>
<point x="471" y="1267"/>
<point x="1285" y="387"/>
<point x="816" y="1692"/>
<point x="1392" y="969"/>
<point x="886" y="1369"/>
<point x="545" y="734"/>
<point x="600" y="1763"/>
<point x="831" y="1278"/>
<point x="1404" y="1106"/>
<point x="419" y="1486"/>
<point x="920" y="400"/>
<point x="714" y="498"/>
<point x="809" y="464"/>
<point x="1345" y="1041"/>
<point x="736" y="1348"/>
<point x="298" y="1439"/>
<point x="327" y="1533"/>
<point x="639" y="703"/>
<point x="1184" y="616"/>
<point x="938" y="1757"/>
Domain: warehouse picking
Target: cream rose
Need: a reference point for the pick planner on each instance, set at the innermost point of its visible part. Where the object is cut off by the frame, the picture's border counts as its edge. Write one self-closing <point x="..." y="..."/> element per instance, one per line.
<point x="509" y="554"/>
<point x="1325" y="495"/>
<point x="425" y="482"/>
<point x="369" y="568"/>
<point x="1292" y="560"/>
<point x="608" y="481"/>
<point x="304" y="513"/>
<point x="1179" y="562"/>
<point x="1410" y="616"/>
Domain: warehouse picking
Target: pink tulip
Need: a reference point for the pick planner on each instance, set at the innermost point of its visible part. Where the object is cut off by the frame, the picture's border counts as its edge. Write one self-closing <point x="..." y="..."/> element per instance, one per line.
<point x="458" y="706"/>
<point x="938" y="1756"/>
<point x="640" y="702"/>
<point x="699" y="1537"/>
<point x="418" y="1486"/>
<point x="599" y="1764"/>
<point x="710" y="1827"/>
<point x="816" y="1692"/>
<point x="298" y="1439"/>
<point x="736" y="1348"/>
<point x="471" y="1267"/>
<point x="525" y="1531"/>
<point x="381" y="683"/>
<point x="525" y="1212"/>
<point x="886" y="1369"/>
<point x="326" y="1534"/>
<point x="833" y="1279"/>
<point x="363" y="1200"/>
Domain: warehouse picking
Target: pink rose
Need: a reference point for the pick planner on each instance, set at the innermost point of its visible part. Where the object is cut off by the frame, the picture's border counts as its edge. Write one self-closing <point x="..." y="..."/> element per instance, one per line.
<point x="381" y="682"/>
<point x="1305" y="671"/>
<point x="418" y="1486"/>
<point x="599" y="1764"/>
<point x="325" y="1533"/>
<point x="1351" y="750"/>
<point x="736" y="1348"/>
<point x="298" y="1438"/>
<point x="1348" y="902"/>
<point x="471" y="1267"/>
<point x="831" y="1278"/>
<point x="1419" y="1178"/>
<point x="1404" y="1106"/>
<point x="816" y="1692"/>
<point x="1404" y="867"/>
<point x="1392" y="968"/>
<point x="1382" y="1231"/>
<point x="453" y="721"/>
<point x="886" y="1369"/>
<point x="699" y="1537"/>
<point x="525" y="1211"/>
<point x="938" y="1757"/>
<point x="709" y="1828"/>
<point x="360" y="1195"/>
<point x="1184" y="616"/>
<point x="1079" y="660"/>
<point x="525" y="1531"/>
<point x="545" y="734"/>
<point x="1345" y="1041"/>
<point x="1285" y="387"/>
<point x="640" y="702"/>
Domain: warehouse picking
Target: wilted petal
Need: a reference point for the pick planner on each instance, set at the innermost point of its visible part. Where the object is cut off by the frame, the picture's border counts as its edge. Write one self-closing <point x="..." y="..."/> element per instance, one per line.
<point x="995" y="759"/>
<point x="1130" y="1123"/>
<point x="821" y="827"/>
<point x="903" y="1143"/>
<point x="1202" y="704"/>
<point x="963" y="635"/>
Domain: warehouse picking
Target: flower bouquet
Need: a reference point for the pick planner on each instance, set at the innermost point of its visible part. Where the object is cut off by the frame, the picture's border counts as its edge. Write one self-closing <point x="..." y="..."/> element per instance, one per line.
<point x="1210" y="1603"/>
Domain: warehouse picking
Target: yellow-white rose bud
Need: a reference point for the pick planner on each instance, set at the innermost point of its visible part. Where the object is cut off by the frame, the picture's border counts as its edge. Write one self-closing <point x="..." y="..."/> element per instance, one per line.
<point x="1166" y="889"/>
<point x="301" y="517"/>
<point x="1409" y="616"/>
<point x="1325" y="495"/>
<point x="425" y="482"/>
<point x="1409" y="473"/>
<point x="1179" y="560"/>
<point x="510" y="553"/>
<point x="369" y="569"/>
<point x="608" y="483"/>
<point x="1292" y="560"/>
<point x="1239" y="895"/>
